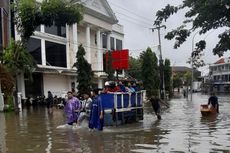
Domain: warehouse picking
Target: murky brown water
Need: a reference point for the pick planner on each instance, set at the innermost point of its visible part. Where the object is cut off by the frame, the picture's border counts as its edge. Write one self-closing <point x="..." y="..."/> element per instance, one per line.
<point x="182" y="129"/>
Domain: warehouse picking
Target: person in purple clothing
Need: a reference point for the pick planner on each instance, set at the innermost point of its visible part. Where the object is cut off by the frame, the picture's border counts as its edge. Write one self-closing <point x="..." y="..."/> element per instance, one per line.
<point x="72" y="108"/>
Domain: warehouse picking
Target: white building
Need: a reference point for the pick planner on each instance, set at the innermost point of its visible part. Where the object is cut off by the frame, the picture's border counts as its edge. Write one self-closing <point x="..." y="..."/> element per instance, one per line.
<point x="54" y="49"/>
<point x="220" y="75"/>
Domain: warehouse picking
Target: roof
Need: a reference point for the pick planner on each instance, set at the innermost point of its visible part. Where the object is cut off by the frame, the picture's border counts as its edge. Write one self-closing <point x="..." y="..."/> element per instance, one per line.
<point x="180" y="69"/>
<point x="100" y="9"/>
<point x="223" y="60"/>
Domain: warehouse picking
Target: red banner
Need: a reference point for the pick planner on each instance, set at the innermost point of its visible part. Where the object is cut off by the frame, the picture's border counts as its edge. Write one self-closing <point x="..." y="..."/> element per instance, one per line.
<point x="120" y="59"/>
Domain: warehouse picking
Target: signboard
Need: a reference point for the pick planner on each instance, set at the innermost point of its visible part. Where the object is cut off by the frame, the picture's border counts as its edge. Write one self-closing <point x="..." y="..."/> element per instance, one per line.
<point x="120" y="59"/>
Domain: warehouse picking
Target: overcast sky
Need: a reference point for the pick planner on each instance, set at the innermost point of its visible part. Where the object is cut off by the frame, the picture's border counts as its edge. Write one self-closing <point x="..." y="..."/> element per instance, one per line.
<point x="137" y="17"/>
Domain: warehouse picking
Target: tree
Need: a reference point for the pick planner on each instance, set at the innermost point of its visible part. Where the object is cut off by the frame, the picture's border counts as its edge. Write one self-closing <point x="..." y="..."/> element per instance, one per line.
<point x="149" y="71"/>
<point x="29" y="14"/>
<point x="168" y="76"/>
<point x="6" y="80"/>
<point x="109" y="68"/>
<point x="18" y="61"/>
<point x="177" y="81"/>
<point x="201" y="14"/>
<point x="135" y="68"/>
<point x="187" y="78"/>
<point x="84" y="71"/>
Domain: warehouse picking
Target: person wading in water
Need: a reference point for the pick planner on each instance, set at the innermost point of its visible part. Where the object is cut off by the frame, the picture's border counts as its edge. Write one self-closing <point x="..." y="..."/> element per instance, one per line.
<point x="155" y="101"/>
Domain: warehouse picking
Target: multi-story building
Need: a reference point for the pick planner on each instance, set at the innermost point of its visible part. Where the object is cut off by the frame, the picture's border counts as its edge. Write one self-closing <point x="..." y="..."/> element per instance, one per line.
<point x="220" y="75"/>
<point x="54" y="49"/>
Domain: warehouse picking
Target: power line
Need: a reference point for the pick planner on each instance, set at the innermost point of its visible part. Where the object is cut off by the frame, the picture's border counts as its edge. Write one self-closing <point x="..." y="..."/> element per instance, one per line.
<point x="130" y="17"/>
<point x="132" y="12"/>
<point x="137" y="23"/>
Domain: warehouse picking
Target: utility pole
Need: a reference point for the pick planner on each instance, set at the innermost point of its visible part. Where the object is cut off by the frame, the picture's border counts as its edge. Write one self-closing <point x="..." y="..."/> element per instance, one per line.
<point x="162" y="82"/>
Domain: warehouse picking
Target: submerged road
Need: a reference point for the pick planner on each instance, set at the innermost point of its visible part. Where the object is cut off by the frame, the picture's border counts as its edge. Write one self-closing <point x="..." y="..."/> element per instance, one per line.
<point x="182" y="129"/>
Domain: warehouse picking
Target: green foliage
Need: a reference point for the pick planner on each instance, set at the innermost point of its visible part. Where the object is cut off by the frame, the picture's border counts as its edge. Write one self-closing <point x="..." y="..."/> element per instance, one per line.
<point x="177" y="81"/>
<point x="202" y="14"/>
<point x="149" y="71"/>
<point x="6" y="80"/>
<point x="9" y="102"/>
<point x="135" y="68"/>
<point x="27" y="17"/>
<point x="168" y="76"/>
<point x="30" y="14"/>
<point x="109" y="69"/>
<point x="187" y="78"/>
<point x="17" y="59"/>
<point x="84" y="72"/>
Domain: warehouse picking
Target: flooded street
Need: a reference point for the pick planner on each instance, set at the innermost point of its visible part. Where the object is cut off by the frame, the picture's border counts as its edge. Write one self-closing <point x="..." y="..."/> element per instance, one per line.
<point x="182" y="129"/>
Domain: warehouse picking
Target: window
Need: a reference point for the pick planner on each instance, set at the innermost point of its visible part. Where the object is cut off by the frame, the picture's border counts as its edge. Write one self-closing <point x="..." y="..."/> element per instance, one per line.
<point x="118" y="44"/>
<point x="112" y="43"/>
<point x="55" y="54"/>
<point x="104" y="41"/>
<point x="56" y="30"/>
<point x="226" y="78"/>
<point x="34" y="48"/>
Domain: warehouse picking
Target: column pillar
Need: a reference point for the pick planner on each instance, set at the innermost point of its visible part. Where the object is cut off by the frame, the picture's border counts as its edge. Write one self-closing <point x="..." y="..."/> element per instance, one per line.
<point x="100" y="83"/>
<point x="43" y="47"/>
<point x="108" y="41"/>
<point x="99" y="52"/>
<point x="1" y="99"/>
<point x="75" y="45"/>
<point x="99" y="58"/>
<point x="21" y="84"/>
<point x="68" y="53"/>
<point x="88" y="49"/>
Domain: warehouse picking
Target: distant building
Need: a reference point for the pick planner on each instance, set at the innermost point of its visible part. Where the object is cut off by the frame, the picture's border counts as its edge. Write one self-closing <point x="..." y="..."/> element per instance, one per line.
<point x="54" y="49"/>
<point x="183" y="69"/>
<point x="220" y="75"/>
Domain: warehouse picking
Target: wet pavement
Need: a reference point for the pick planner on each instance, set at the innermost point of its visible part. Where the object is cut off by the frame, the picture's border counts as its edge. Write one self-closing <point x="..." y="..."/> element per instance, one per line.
<point x="182" y="129"/>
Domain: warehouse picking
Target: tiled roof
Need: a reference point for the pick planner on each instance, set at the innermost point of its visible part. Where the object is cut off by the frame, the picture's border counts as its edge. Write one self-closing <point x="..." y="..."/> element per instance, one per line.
<point x="220" y="61"/>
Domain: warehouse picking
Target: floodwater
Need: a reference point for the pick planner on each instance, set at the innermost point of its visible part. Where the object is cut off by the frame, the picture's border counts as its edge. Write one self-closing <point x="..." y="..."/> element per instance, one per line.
<point x="182" y="129"/>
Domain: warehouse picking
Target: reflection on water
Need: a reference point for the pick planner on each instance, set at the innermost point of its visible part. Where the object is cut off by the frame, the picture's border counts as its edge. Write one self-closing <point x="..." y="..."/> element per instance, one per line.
<point x="182" y="129"/>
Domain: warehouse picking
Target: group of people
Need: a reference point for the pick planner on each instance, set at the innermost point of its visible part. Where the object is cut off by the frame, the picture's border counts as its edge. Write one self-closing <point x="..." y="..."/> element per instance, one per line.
<point x="111" y="87"/>
<point x="91" y="109"/>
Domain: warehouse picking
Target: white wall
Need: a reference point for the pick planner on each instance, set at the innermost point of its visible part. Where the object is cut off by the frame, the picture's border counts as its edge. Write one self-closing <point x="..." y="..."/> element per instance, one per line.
<point x="57" y="84"/>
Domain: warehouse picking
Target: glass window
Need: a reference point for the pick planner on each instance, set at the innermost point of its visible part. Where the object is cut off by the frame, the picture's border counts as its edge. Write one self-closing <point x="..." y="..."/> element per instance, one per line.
<point x="55" y="54"/>
<point x="56" y="30"/>
<point x="215" y="78"/>
<point x="104" y="41"/>
<point x="112" y="43"/>
<point x="118" y="44"/>
<point x="34" y="48"/>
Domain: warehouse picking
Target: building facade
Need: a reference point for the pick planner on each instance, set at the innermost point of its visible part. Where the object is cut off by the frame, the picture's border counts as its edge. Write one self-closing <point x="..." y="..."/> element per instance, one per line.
<point x="54" y="49"/>
<point x="220" y="75"/>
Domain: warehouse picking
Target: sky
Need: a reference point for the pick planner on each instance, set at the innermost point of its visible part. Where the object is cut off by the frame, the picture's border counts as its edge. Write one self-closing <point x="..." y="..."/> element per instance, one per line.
<point x="137" y="17"/>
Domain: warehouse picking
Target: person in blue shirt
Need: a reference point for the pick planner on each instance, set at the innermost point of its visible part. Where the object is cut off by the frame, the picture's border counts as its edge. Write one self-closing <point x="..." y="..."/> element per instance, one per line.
<point x="96" y="118"/>
<point x="121" y="87"/>
<point x="213" y="101"/>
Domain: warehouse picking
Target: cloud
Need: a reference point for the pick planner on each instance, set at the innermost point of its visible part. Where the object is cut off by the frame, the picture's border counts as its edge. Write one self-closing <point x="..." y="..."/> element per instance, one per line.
<point x="137" y="17"/>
